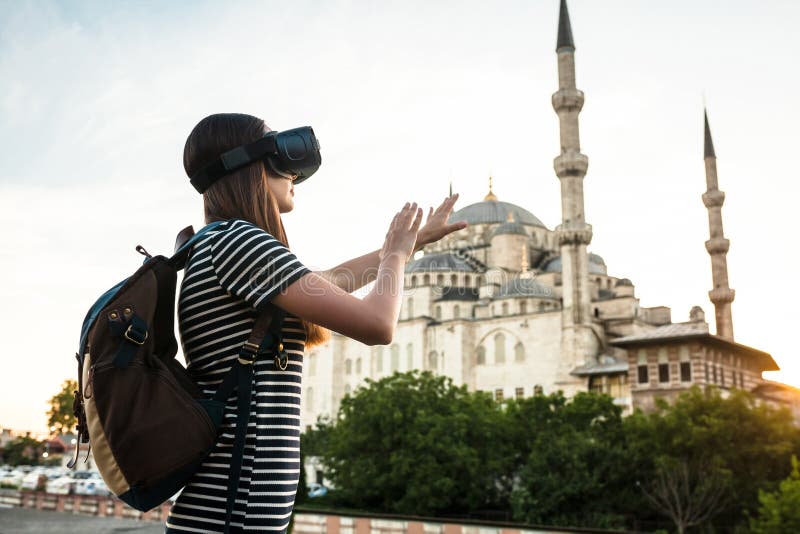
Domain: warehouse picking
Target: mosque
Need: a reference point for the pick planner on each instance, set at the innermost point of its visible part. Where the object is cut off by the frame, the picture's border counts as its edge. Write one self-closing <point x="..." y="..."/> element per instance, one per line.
<point x="513" y="308"/>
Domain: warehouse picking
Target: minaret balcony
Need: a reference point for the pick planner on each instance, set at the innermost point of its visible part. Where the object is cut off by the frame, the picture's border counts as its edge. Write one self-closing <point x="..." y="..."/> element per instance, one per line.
<point x="721" y="295"/>
<point x="568" y="99"/>
<point x="718" y="245"/>
<point x="571" y="164"/>
<point x="713" y="198"/>
<point x="580" y="234"/>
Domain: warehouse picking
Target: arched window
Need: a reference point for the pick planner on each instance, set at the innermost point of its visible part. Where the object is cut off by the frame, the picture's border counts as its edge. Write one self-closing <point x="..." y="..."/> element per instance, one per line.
<point x="499" y="348"/>
<point x="438" y="312"/>
<point x="348" y="367"/>
<point x="358" y="366"/>
<point x="456" y="311"/>
<point x="426" y="279"/>
<point x="440" y="279"/>
<point x="480" y="355"/>
<point x="541" y="306"/>
<point x="433" y="360"/>
<point x="519" y="352"/>
<point x="642" y="367"/>
<point x="310" y="399"/>
<point x="468" y="281"/>
<point x="523" y="306"/>
<point x="413" y="280"/>
<point x="505" y="308"/>
<point x="410" y="308"/>
<point x="409" y="357"/>
<point x="663" y="365"/>
<point x="453" y="280"/>
<point x="395" y="357"/>
<point x="379" y="359"/>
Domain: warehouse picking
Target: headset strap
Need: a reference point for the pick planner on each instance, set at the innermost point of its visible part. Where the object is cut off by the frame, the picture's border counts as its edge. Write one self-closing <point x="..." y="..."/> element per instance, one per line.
<point x="232" y="160"/>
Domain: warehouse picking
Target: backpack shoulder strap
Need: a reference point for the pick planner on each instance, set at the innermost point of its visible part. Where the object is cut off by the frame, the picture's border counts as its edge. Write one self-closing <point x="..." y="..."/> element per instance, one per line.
<point x="184" y="242"/>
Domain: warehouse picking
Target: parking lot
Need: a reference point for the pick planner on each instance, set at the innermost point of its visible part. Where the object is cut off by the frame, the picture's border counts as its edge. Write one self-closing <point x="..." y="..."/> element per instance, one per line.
<point x="27" y="521"/>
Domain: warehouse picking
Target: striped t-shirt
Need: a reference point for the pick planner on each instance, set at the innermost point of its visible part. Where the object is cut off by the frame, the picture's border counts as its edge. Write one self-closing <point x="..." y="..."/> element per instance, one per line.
<point x="235" y="270"/>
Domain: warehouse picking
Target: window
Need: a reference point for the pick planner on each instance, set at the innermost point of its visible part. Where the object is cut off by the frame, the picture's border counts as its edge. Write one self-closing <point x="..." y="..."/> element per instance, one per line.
<point x="456" y="311"/>
<point x="686" y="372"/>
<point x="348" y="367"/>
<point x="541" y="306"/>
<point x="480" y="355"/>
<point x="409" y="357"/>
<point x="498" y="395"/>
<point x="395" y="357"/>
<point x="499" y="348"/>
<point x="596" y="384"/>
<point x="705" y="365"/>
<point x="616" y="385"/>
<point x="741" y="380"/>
<point x="433" y="360"/>
<point x="519" y="393"/>
<point x="505" y="308"/>
<point x="438" y="312"/>
<point x="413" y="280"/>
<point x="440" y="279"/>
<point x="643" y="377"/>
<point x="714" y="373"/>
<point x="358" y="366"/>
<point x="733" y="377"/>
<point x="519" y="352"/>
<point x="722" y="376"/>
<point x="523" y="306"/>
<point x="663" y="365"/>
<point x="379" y="359"/>
<point x="538" y="390"/>
<point x="453" y="280"/>
<point x="410" y="309"/>
<point x="426" y="279"/>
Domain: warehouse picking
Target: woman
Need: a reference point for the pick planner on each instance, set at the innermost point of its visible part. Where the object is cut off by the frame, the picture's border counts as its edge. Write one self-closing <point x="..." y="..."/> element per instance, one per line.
<point x="234" y="272"/>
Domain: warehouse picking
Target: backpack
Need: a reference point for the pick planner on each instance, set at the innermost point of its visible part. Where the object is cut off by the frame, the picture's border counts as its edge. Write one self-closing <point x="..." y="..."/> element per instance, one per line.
<point x="141" y="412"/>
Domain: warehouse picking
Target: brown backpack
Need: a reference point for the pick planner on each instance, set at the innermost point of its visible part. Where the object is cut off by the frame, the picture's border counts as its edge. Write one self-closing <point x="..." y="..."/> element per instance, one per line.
<point x="149" y="424"/>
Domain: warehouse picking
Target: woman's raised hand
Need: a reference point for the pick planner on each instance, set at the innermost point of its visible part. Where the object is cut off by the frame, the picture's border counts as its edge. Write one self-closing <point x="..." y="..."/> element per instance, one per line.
<point x="403" y="232"/>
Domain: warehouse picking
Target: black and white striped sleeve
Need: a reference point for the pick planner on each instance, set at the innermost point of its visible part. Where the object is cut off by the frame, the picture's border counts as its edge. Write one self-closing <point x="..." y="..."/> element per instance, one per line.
<point x="252" y="264"/>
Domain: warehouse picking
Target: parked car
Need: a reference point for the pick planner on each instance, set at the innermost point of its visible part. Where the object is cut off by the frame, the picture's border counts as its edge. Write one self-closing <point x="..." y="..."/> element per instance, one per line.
<point x="91" y="485"/>
<point x="317" y="490"/>
<point x="12" y="478"/>
<point x="35" y="480"/>
<point x="63" y="485"/>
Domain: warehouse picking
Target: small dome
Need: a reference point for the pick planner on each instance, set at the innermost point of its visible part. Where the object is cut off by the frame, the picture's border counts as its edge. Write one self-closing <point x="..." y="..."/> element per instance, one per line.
<point x="439" y="261"/>
<point x="494" y="211"/>
<point x="510" y="228"/>
<point x="623" y="282"/>
<point x="595" y="267"/>
<point x="523" y="287"/>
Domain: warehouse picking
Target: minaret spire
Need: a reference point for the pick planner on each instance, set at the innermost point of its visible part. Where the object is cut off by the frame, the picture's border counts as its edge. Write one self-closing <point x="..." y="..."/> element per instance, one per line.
<point x="579" y="334"/>
<point x="490" y="195"/>
<point x="717" y="246"/>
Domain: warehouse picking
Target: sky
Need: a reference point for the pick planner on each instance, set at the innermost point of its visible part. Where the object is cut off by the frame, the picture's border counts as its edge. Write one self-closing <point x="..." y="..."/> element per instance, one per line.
<point x="97" y="98"/>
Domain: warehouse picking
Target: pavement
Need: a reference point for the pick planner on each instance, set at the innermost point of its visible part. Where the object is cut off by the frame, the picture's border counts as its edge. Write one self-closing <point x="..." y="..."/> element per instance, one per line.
<point x="28" y="521"/>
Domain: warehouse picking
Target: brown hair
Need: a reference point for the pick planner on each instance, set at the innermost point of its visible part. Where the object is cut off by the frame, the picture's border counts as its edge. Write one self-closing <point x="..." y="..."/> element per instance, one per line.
<point x="243" y="194"/>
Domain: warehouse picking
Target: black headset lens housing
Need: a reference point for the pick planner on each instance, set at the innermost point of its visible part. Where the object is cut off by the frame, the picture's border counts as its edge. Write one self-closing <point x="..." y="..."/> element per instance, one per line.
<point x="294" y="151"/>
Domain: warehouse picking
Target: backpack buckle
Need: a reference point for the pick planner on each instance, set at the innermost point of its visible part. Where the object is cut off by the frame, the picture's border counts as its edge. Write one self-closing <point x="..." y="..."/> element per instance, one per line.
<point x="141" y="336"/>
<point x="247" y="356"/>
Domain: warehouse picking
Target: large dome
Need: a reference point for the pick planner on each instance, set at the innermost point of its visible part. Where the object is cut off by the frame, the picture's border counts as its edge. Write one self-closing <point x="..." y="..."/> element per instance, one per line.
<point x="439" y="261"/>
<point x="596" y="264"/>
<point x="494" y="211"/>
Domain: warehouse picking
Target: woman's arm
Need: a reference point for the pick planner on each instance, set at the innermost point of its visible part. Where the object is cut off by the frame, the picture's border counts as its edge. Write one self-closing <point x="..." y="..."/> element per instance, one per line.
<point x="372" y="319"/>
<point x="360" y="271"/>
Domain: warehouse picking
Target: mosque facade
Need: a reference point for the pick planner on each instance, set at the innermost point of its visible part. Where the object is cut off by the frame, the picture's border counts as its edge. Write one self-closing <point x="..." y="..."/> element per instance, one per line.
<point x="513" y="308"/>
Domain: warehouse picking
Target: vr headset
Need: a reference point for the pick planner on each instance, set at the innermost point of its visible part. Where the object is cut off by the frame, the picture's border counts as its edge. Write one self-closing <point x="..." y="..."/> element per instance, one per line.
<point x="291" y="152"/>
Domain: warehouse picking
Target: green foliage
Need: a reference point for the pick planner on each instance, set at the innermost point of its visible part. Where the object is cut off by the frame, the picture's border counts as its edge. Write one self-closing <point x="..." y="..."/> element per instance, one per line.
<point x="735" y="438"/>
<point x="574" y="470"/>
<point x="23" y="451"/>
<point x="780" y="510"/>
<point x="60" y="414"/>
<point x="413" y="443"/>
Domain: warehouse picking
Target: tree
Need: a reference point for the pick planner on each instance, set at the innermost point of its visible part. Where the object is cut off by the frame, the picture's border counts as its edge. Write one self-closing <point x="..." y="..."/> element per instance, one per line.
<point x="414" y="443"/>
<point x="688" y="495"/>
<point x="60" y="416"/>
<point x="734" y="438"/>
<point x="575" y="464"/>
<point x="780" y="510"/>
<point x="23" y="450"/>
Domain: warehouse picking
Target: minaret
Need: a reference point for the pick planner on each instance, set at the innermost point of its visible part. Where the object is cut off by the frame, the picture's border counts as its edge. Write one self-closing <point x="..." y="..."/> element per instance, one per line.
<point x="717" y="246"/>
<point x="579" y="343"/>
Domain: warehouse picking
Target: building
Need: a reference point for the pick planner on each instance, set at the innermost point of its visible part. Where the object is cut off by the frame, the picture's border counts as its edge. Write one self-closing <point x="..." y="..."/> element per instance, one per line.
<point x="514" y="308"/>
